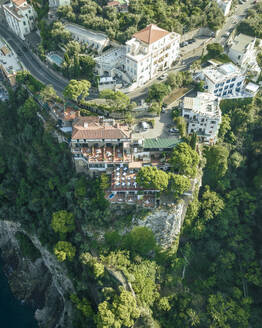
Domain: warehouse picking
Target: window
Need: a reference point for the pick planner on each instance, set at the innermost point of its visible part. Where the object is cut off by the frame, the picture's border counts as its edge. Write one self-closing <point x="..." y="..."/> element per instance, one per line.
<point x="237" y="89"/>
<point x="231" y="85"/>
<point x="24" y="23"/>
<point x="216" y="90"/>
<point x="239" y="83"/>
<point x="234" y="79"/>
<point x="220" y="89"/>
<point x="224" y="93"/>
<point x="228" y="81"/>
<point x="226" y="87"/>
<point x="221" y="84"/>
<point x="213" y="122"/>
<point x="217" y="85"/>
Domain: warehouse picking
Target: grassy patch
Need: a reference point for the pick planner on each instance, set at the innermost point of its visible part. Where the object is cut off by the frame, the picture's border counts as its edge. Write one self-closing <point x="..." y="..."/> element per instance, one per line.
<point x="27" y="247"/>
<point x="175" y="95"/>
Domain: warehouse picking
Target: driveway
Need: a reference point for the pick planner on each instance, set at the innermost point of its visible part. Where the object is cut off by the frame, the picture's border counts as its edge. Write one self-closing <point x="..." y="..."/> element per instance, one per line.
<point x="160" y="129"/>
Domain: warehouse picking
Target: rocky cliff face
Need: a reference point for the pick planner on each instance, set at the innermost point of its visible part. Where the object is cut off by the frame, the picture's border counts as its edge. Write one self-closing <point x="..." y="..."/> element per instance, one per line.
<point x="165" y="223"/>
<point x="41" y="283"/>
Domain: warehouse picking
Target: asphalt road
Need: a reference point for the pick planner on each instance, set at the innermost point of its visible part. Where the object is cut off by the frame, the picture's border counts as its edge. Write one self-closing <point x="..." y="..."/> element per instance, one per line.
<point x="231" y="21"/>
<point x="39" y="71"/>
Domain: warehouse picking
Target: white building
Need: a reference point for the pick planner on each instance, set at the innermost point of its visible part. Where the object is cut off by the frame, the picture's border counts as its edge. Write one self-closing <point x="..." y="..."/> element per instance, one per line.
<point x="95" y="40"/>
<point x="224" y="5"/>
<point x="224" y="81"/>
<point x="58" y="3"/>
<point x="243" y="53"/>
<point x="150" y="51"/>
<point x="20" y="17"/>
<point x="203" y="116"/>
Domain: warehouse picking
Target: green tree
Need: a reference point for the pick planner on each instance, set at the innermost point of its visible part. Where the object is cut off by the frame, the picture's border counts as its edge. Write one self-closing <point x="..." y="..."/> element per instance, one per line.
<point x="64" y="250"/>
<point x="217" y="162"/>
<point x="214" y="50"/>
<point x="77" y="89"/>
<point x="118" y="100"/>
<point x="211" y="204"/>
<point x="121" y="313"/>
<point x="63" y="221"/>
<point x="178" y="184"/>
<point x="155" y="108"/>
<point x="48" y="93"/>
<point x="140" y="240"/>
<point x="151" y="178"/>
<point x="104" y="181"/>
<point x="181" y="125"/>
<point x="157" y="92"/>
<point x="225" y="126"/>
<point x="184" y="159"/>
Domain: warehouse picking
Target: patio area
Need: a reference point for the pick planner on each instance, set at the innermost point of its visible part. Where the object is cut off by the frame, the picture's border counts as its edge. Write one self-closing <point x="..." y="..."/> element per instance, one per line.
<point x="124" y="179"/>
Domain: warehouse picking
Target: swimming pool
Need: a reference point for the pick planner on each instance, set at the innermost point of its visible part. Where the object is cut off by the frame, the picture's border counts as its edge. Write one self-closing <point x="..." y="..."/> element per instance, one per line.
<point x="111" y="196"/>
<point x="58" y="60"/>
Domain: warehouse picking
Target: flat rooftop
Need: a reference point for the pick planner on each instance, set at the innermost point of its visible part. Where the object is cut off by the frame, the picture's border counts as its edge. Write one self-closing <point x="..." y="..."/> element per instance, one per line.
<point x="8" y="59"/>
<point x="220" y="73"/>
<point x="204" y="103"/>
<point x="241" y="42"/>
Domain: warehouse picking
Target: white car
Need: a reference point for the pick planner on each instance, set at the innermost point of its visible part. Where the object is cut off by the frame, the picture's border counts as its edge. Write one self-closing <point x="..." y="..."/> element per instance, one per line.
<point x="164" y="76"/>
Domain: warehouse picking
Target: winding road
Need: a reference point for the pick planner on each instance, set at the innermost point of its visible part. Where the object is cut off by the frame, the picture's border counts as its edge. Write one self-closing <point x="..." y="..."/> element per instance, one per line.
<point x="38" y="69"/>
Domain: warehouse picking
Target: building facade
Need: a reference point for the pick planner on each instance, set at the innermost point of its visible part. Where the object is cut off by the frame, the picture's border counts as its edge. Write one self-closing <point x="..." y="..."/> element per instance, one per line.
<point x="243" y="53"/>
<point x="58" y="3"/>
<point x="149" y="52"/>
<point x="20" y="17"/>
<point x="100" y="142"/>
<point x="223" y="81"/>
<point x="203" y="116"/>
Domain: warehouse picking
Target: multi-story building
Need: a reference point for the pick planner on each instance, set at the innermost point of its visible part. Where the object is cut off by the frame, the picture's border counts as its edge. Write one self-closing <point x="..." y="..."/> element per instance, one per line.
<point x="20" y="17"/>
<point x="9" y="63"/>
<point x="224" y="81"/>
<point x="58" y="3"/>
<point x="95" y="40"/>
<point x="203" y="116"/>
<point x="150" y="51"/>
<point x="243" y="53"/>
<point x="224" y="5"/>
<point x="101" y="143"/>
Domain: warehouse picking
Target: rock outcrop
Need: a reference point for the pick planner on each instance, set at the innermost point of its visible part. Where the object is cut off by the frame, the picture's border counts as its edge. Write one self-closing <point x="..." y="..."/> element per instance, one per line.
<point x="165" y="223"/>
<point x="42" y="283"/>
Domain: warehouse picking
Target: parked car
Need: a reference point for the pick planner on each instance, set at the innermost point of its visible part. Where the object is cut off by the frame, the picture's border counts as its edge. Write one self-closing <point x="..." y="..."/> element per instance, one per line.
<point x="164" y="76"/>
<point x="173" y="130"/>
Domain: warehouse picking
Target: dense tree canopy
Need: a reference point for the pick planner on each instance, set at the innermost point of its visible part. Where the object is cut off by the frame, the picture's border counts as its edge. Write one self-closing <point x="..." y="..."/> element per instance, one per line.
<point x="184" y="159"/>
<point x="151" y="178"/>
<point x="76" y="90"/>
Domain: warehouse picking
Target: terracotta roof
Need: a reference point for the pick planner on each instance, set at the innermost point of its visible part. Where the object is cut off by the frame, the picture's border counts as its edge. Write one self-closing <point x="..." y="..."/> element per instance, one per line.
<point x="5" y="50"/>
<point x="18" y="3"/>
<point x="93" y="127"/>
<point x="150" y="34"/>
<point x="113" y="4"/>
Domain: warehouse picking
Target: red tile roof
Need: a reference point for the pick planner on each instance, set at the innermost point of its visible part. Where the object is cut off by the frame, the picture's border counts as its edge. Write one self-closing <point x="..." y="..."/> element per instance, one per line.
<point x="18" y="3"/>
<point x="113" y="4"/>
<point x="151" y="34"/>
<point x="92" y="127"/>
